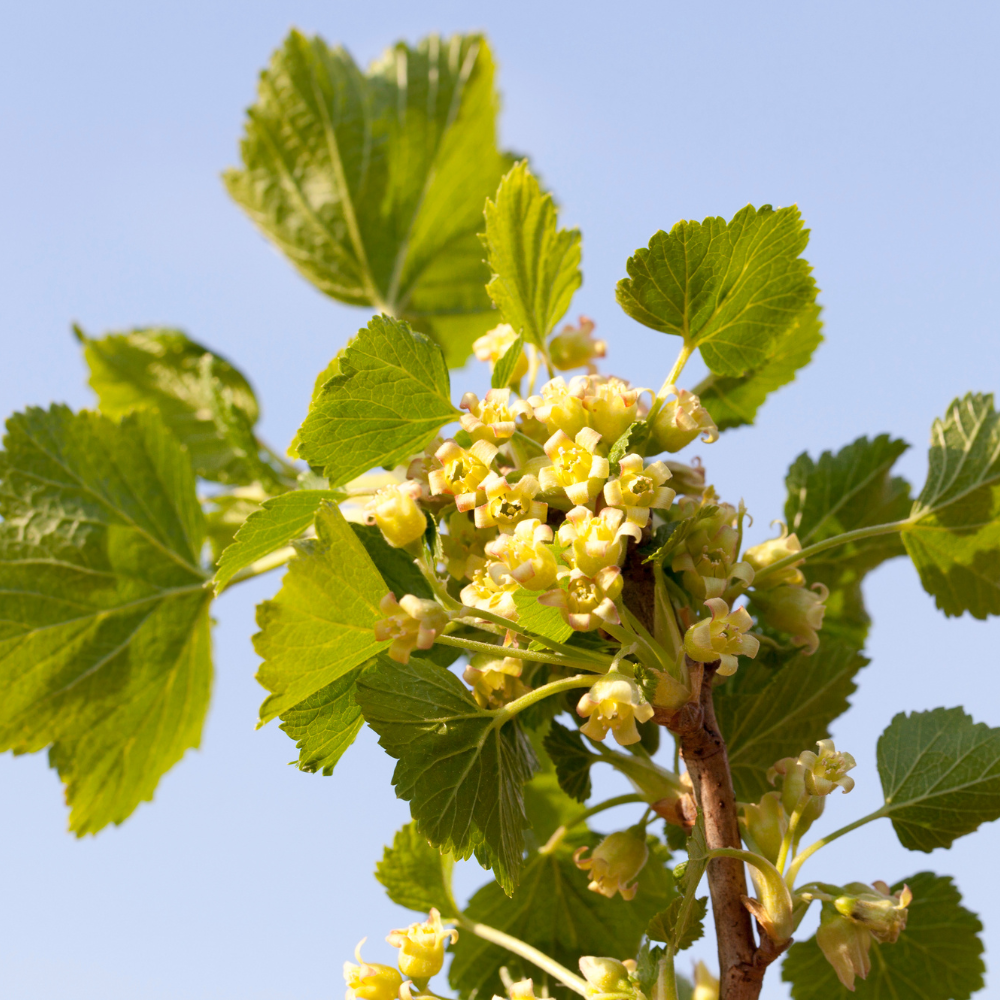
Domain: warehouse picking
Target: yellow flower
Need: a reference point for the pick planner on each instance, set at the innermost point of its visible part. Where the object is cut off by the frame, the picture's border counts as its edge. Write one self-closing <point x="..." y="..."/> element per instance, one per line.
<point x="576" y="467"/>
<point x="370" y="981"/>
<point x="845" y="945"/>
<point x="575" y="346"/>
<point x="639" y="489"/>
<point x="492" y="346"/>
<point x="462" y="472"/>
<point x="491" y="419"/>
<point x="609" y="979"/>
<point x="421" y="946"/>
<point x="413" y="623"/>
<point x="706" y="986"/>
<point x="722" y="637"/>
<point x="827" y="770"/>
<point x="464" y="545"/>
<point x="522" y="990"/>
<point x="506" y="505"/>
<point x="681" y="420"/>
<point x="793" y="786"/>
<point x="593" y="541"/>
<point x="614" y="702"/>
<point x="527" y="555"/>
<point x="796" y="610"/>
<point x="494" y="679"/>
<point x="616" y="862"/>
<point x="395" y="511"/>
<point x="769" y="552"/>
<point x="611" y="403"/>
<point x="588" y="601"/>
<point x="492" y="589"/>
<point x="558" y="408"/>
<point x="707" y="559"/>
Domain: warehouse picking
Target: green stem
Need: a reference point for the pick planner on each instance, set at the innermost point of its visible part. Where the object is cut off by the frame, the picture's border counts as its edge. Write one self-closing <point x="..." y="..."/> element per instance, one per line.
<point x="263" y="565"/>
<point x="800" y="859"/>
<point x="619" y="800"/>
<point x="671" y="379"/>
<point x="789" y="835"/>
<point x="829" y="543"/>
<point x="575" y="652"/>
<point x="535" y="655"/>
<point x="525" y="951"/>
<point x="666" y="976"/>
<point x="539" y="694"/>
<point x="528" y="442"/>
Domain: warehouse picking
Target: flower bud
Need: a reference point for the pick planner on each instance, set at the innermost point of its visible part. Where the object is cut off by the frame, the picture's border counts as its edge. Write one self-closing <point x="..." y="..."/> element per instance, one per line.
<point x="707" y="560"/>
<point x="793" y="786"/>
<point x="876" y="908"/>
<point x="763" y="825"/>
<point x="769" y="552"/>
<point x="507" y="505"/>
<point x="412" y="623"/>
<point x="638" y="489"/>
<point x="706" y="986"/>
<point x="522" y="990"/>
<point x="574" y="347"/>
<point x="614" y="702"/>
<point x="722" y="637"/>
<point x="796" y="610"/>
<point x="681" y="420"/>
<point x="827" y="769"/>
<point x="559" y="409"/>
<point x="687" y="480"/>
<point x="611" y="404"/>
<point x="609" y="979"/>
<point x="591" y="542"/>
<point x="395" y="511"/>
<point x="421" y="946"/>
<point x="527" y="554"/>
<point x="588" y="601"/>
<point x="370" y="981"/>
<point x="773" y="906"/>
<point x="492" y="346"/>
<point x="845" y="945"/>
<point x="616" y="861"/>
<point x="576" y="467"/>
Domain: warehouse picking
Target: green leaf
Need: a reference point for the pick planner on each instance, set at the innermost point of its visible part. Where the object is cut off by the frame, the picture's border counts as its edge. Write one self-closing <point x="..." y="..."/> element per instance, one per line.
<point x="554" y="911"/>
<point x="270" y="528"/>
<point x="536" y="267"/>
<point x="546" y="804"/>
<point x="730" y="289"/>
<point x="954" y="539"/>
<point x="319" y="625"/>
<point x="664" y="926"/>
<point x="417" y="875"/>
<point x="325" y="724"/>
<point x="940" y="775"/>
<point x="373" y="184"/>
<point x="540" y="618"/>
<point x="396" y="567"/>
<point x="734" y="401"/>
<point x="503" y="371"/>
<point x="766" y="713"/>
<point x="202" y="398"/>
<point x="937" y="957"/>
<point x="391" y="397"/>
<point x="572" y="761"/>
<point x="105" y="652"/>
<point x="633" y="439"/>
<point x="461" y="772"/>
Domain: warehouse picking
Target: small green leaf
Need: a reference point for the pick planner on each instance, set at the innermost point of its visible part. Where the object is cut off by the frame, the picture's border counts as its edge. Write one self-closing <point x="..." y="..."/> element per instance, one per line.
<point x="940" y="775"/>
<point x="105" y="648"/>
<point x="503" y="370"/>
<point x="540" y="618"/>
<point x="664" y="926"/>
<point x="396" y="567"/>
<point x="766" y="713"/>
<point x="270" y="528"/>
<point x="319" y="625"/>
<point x="937" y="957"/>
<point x="731" y="290"/>
<point x="462" y="773"/>
<point x="734" y="401"/>
<point x="391" y="397"/>
<point x="536" y="267"/>
<point x="954" y="539"/>
<point x="326" y="723"/>
<point x="554" y="911"/>
<point x="373" y="184"/>
<point x="633" y="439"/>
<point x="202" y="398"/>
<point x="417" y="875"/>
<point x="572" y="761"/>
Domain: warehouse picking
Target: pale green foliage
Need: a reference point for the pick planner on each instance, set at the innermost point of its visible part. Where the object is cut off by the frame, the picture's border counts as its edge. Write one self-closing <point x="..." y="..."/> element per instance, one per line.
<point x="391" y="396"/>
<point x="373" y="184"/>
<point x="768" y="712"/>
<point x="731" y="289"/>
<point x="937" y="957"/>
<point x="954" y="540"/>
<point x="536" y="267"/>
<point x="415" y="874"/>
<point x="461" y="773"/>
<point x="319" y="625"/>
<point x="734" y="400"/>
<point x="273" y="526"/>
<point x="554" y="911"/>
<point x="941" y="776"/>
<point x="104" y="642"/>
<point x="504" y="369"/>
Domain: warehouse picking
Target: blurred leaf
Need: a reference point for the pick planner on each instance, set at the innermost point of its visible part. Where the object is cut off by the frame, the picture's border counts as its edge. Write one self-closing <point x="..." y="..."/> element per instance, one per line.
<point x="672" y="923"/>
<point x="572" y="761"/>
<point x="503" y="371"/>
<point x="415" y="874"/>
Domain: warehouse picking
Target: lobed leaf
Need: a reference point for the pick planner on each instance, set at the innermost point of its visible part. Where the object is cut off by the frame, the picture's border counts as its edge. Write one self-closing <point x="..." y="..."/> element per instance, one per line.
<point x="954" y="537"/>
<point x="105" y="652"/>
<point x="373" y="184"/>
<point x="572" y="761"/>
<point x="940" y="775"/>
<point x="731" y="289"/>
<point x="673" y="923"/>
<point x="937" y="957"/>
<point x="391" y="396"/>
<point x="503" y="370"/>
<point x="417" y="875"/>
<point x="461" y="772"/>
<point x="536" y="267"/>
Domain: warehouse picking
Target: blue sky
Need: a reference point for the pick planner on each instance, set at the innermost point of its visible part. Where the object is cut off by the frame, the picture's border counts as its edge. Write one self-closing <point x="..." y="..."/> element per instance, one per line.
<point x="247" y="879"/>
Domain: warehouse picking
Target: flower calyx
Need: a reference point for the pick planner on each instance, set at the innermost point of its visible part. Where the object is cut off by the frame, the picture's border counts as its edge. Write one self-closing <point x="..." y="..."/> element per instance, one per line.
<point x="707" y="557"/>
<point x="875" y="907"/>
<point x="370" y="980"/>
<point x="576" y="467"/>
<point x="845" y="945"/>
<point x="723" y="637"/>
<point x="558" y="408"/>
<point x="587" y="602"/>
<point x="524" y="989"/>
<point x="411" y="623"/>
<point x="680" y="420"/>
<point x="763" y="825"/>
<point x="615" y="862"/>
<point x="613" y="702"/>
<point x="609" y="979"/>
<point x="592" y="542"/>
<point x="421" y="946"/>
<point x="394" y="509"/>
<point x="612" y="405"/>
<point x="575" y="346"/>
<point x="495" y="680"/>
<point x="639" y="489"/>
<point x="827" y="770"/>
<point x="772" y="908"/>
<point x="796" y="610"/>
<point x="792" y="773"/>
